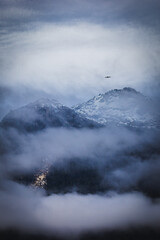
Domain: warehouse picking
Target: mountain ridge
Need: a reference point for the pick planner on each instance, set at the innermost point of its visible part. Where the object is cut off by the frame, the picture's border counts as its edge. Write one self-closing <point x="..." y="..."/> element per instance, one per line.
<point x="45" y="113"/>
<point x="120" y="107"/>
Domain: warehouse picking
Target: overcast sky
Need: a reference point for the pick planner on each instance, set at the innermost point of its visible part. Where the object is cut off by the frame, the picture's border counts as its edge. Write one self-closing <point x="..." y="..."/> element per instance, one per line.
<point x="64" y="48"/>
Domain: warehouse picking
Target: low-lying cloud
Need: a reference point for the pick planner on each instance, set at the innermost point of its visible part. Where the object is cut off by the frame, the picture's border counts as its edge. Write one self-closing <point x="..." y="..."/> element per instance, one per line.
<point x="24" y="209"/>
<point x="119" y="159"/>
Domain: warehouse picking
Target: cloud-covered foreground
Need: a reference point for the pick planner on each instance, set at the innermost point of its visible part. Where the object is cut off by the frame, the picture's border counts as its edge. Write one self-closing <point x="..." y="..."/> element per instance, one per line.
<point x="98" y="179"/>
<point x="24" y="209"/>
<point x="87" y="161"/>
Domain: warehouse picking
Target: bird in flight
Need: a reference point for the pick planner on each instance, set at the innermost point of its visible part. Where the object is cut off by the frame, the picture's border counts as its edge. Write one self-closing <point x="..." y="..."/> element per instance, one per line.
<point x="107" y="76"/>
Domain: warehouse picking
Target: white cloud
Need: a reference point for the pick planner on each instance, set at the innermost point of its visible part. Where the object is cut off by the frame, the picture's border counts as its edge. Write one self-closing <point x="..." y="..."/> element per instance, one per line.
<point x="72" y="60"/>
<point x="25" y="209"/>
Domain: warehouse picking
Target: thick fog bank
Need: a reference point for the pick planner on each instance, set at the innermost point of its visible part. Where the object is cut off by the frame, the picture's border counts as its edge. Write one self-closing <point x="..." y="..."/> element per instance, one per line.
<point x="30" y="210"/>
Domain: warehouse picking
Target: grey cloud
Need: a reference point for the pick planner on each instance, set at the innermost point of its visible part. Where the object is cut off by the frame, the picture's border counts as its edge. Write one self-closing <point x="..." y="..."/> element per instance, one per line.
<point x="31" y="211"/>
<point x="70" y="61"/>
<point x="107" y="11"/>
<point x="114" y="159"/>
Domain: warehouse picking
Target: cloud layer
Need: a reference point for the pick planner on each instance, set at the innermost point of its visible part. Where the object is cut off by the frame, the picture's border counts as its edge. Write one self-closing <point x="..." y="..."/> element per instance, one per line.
<point x="26" y="210"/>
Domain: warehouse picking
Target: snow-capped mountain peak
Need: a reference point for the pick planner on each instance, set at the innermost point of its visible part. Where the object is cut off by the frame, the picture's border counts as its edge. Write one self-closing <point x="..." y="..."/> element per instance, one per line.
<point x="119" y="106"/>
